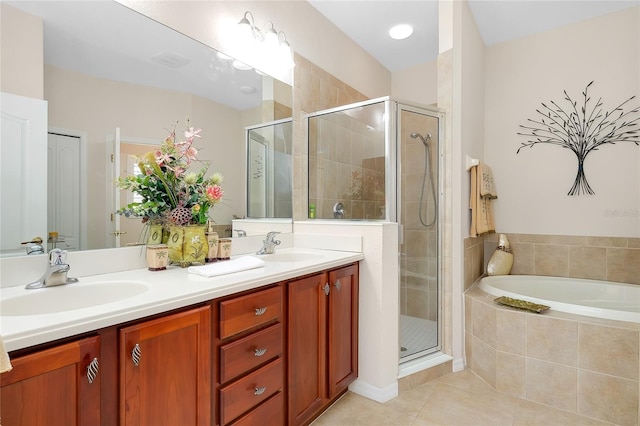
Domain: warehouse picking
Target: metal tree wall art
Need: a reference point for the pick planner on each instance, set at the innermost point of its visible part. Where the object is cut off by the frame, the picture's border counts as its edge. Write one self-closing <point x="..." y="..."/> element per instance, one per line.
<point x="582" y="129"/>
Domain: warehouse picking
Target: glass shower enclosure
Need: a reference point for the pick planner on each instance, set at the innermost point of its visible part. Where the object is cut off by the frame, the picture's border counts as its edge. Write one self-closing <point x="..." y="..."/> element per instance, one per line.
<point x="381" y="160"/>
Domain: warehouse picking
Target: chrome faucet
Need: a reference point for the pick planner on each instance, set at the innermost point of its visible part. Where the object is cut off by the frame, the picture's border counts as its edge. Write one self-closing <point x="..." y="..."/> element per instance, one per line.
<point x="56" y="273"/>
<point x="269" y="244"/>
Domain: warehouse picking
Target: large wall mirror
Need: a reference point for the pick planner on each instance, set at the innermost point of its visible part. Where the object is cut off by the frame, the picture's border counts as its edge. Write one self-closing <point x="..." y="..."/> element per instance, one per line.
<point x="113" y="74"/>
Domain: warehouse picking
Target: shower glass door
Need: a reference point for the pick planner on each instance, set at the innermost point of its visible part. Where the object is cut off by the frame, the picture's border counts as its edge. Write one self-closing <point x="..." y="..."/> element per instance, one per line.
<point x="418" y="204"/>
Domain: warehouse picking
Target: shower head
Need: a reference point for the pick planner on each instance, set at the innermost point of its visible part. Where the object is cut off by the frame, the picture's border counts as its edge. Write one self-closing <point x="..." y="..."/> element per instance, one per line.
<point x="422" y="138"/>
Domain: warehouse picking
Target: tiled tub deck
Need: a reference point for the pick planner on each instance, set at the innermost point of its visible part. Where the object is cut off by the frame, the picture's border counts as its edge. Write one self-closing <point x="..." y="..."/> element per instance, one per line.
<point x="585" y="365"/>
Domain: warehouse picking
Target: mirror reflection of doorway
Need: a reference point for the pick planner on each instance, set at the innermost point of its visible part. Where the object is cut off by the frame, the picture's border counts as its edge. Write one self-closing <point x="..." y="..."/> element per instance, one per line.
<point x="270" y="170"/>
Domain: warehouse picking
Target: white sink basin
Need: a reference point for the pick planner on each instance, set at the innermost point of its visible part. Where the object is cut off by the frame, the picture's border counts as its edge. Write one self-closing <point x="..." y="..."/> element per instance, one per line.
<point x="290" y="257"/>
<point x="69" y="297"/>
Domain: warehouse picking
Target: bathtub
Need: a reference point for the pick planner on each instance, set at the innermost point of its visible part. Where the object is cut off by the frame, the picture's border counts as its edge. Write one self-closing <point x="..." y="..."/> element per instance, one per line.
<point x="592" y="298"/>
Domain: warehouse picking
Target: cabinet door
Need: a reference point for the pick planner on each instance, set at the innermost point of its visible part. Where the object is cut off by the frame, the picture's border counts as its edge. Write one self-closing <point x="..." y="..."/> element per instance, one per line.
<point x="343" y="329"/>
<point x="51" y="387"/>
<point x="307" y="347"/>
<point x="165" y="370"/>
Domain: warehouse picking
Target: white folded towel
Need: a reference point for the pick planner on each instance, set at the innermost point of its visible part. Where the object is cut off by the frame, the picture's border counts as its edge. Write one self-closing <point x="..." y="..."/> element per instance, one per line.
<point x="5" y="363"/>
<point x="487" y="184"/>
<point x="227" y="266"/>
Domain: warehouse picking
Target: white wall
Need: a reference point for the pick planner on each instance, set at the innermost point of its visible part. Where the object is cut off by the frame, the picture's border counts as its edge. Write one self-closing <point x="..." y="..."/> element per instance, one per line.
<point x="533" y="185"/>
<point x="417" y="84"/>
<point x="97" y="106"/>
<point x="21" y="44"/>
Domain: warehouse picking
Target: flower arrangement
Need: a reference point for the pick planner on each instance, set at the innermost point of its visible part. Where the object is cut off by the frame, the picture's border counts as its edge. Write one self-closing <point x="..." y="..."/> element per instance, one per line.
<point x="171" y="193"/>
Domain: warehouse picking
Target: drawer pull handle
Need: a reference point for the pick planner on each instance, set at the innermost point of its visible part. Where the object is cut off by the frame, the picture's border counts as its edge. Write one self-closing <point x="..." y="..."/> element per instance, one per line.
<point x="261" y="311"/>
<point x="260" y="352"/>
<point x="338" y="285"/>
<point x="92" y="370"/>
<point x="136" y="354"/>
<point x="259" y="391"/>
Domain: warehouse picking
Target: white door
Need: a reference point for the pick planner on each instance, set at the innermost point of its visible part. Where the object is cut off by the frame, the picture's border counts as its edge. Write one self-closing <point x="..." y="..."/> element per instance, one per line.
<point x="63" y="179"/>
<point x="23" y="168"/>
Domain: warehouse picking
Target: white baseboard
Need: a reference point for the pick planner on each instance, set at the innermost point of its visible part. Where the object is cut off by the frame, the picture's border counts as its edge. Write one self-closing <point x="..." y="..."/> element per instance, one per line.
<point x="373" y="392"/>
<point x="458" y="365"/>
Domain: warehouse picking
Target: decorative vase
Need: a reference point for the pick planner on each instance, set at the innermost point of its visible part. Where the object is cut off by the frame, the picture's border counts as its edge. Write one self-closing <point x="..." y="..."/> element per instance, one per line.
<point x="155" y="235"/>
<point x="157" y="257"/>
<point x="501" y="261"/>
<point x="187" y="244"/>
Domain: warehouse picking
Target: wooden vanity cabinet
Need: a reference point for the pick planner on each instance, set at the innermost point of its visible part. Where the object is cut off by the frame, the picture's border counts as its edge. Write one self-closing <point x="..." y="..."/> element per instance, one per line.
<point x="322" y="341"/>
<point x="55" y="386"/>
<point x="165" y="370"/>
<point x="249" y="346"/>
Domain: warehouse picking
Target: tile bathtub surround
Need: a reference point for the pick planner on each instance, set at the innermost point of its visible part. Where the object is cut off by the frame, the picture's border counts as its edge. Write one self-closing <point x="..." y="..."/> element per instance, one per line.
<point x="597" y="258"/>
<point x="588" y="366"/>
<point x="474" y="264"/>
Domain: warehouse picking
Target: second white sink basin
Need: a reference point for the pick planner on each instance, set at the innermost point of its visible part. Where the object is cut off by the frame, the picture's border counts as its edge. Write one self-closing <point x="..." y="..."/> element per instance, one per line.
<point x="69" y="297"/>
<point x="290" y="257"/>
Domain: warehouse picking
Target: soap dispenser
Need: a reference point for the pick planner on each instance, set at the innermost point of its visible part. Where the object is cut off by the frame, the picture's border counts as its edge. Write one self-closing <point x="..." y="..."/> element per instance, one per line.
<point x="212" y="241"/>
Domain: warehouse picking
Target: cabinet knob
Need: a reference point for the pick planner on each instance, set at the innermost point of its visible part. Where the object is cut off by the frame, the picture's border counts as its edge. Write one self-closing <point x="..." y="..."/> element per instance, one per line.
<point x="259" y="391"/>
<point x="136" y="354"/>
<point x="337" y="285"/>
<point x="259" y="352"/>
<point x="326" y="288"/>
<point x="261" y="311"/>
<point x="92" y="370"/>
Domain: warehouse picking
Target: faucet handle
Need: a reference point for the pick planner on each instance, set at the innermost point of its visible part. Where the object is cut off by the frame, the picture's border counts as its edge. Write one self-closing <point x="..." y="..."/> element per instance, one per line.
<point x="271" y="237"/>
<point x="57" y="257"/>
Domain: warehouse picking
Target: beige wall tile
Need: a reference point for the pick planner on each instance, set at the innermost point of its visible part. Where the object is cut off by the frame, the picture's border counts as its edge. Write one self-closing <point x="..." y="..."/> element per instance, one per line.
<point x="541" y="239"/>
<point x="552" y="260"/>
<point x="511" y="331"/>
<point x="587" y="262"/>
<point x="552" y="339"/>
<point x="484" y="322"/>
<point x="608" y="398"/>
<point x="523" y="258"/>
<point x="633" y="242"/>
<point x="510" y="374"/>
<point x="468" y="349"/>
<point x="609" y="350"/>
<point x="551" y="384"/>
<point x="623" y="265"/>
<point x="484" y="361"/>
<point x="607" y="241"/>
<point x="468" y="313"/>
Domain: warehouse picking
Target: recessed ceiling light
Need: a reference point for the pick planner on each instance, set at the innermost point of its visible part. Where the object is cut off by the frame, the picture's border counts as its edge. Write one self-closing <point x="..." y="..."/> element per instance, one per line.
<point x="400" y="31"/>
<point x="247" y="89"/>
<point x="170" y="59"/>
<point x="241" y="66"/>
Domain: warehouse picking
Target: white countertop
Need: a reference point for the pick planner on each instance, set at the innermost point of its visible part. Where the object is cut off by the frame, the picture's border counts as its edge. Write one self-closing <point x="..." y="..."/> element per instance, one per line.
<point x="170" y="289"/>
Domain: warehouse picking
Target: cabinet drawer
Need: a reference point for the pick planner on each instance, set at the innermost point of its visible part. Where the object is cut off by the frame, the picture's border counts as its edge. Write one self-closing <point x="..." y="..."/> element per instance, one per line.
<point x="245" y="312"/>
<point x="244" y="394"/>
<point x="249" y="352"/>
<point x="269" y="413"/>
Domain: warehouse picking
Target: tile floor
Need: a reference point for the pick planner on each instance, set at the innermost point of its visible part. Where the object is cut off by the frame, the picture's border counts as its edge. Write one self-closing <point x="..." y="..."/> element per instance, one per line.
<point x="458" y="399"/>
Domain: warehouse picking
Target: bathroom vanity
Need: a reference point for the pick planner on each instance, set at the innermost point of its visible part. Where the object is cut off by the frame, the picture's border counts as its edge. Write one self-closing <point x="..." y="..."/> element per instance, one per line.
<point x="273" y="345"/>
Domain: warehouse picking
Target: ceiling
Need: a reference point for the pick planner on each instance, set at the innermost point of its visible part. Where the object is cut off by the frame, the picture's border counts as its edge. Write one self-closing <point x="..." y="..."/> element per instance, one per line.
<point x="367" y="22"/>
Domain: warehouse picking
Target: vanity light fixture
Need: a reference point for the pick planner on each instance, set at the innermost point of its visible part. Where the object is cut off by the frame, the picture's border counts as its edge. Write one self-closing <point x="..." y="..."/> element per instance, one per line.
<point x="266" y="45"/>
<point x="400" y="31"/>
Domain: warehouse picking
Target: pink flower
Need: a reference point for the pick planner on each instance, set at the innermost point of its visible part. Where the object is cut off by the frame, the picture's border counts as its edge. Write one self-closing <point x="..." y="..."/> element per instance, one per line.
<point x="191" y="133"/>
<point x="191" y="153"/>
<point x="214" y="193"/>
<point x="178" y="171"/>
<point x="161" y="157"/>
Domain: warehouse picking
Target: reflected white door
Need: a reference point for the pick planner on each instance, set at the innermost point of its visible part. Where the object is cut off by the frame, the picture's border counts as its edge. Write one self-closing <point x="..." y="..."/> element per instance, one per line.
<point x="23" y="164"/>
<point x="63" y="181"/>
